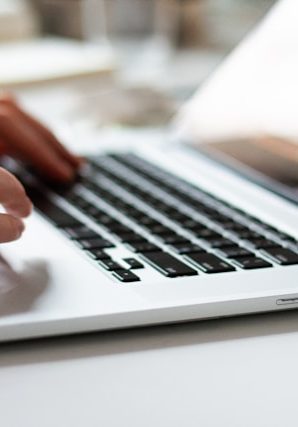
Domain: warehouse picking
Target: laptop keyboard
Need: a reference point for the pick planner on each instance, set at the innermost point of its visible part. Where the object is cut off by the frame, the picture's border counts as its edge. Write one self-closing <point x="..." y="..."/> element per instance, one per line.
<point x="165" y="222"/>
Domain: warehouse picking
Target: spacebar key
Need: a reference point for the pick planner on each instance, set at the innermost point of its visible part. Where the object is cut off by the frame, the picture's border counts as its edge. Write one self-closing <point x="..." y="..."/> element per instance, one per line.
<point x="167" y="264"/>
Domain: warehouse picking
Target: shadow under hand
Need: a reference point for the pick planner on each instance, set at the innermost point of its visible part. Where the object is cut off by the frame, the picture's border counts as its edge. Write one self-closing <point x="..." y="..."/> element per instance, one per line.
<point x="20" y="289"/>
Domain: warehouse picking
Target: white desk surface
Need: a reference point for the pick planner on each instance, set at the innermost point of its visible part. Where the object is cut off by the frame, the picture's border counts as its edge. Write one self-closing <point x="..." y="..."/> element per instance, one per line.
<point x="239" y="372"/>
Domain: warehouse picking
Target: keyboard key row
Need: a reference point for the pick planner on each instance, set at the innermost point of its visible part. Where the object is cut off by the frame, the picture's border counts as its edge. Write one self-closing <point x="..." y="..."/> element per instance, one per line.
<point x="202" y="201"/>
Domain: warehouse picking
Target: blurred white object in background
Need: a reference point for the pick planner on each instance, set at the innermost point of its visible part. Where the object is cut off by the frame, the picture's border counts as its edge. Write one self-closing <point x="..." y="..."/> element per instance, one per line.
<point x="44" y="60"/>
<point x="40" y="60"/>
<point x="94" y="26"/>
<point x="115" y="105"/>
<point x="17" y="20"/>
<point x="94" y="21"/>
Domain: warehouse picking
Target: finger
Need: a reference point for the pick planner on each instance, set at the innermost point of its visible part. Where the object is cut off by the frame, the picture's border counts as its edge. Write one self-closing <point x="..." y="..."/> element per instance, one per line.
<point x="52" y="140"/>
<point x="48" y="136"/>
<point x="73" y="160"/>
<point x="13" y="196"/>
<point x="6" y="96"/>
<point x="24" y="142"/>
<point x="3" y="149"/>
<point x="11" y="228"/>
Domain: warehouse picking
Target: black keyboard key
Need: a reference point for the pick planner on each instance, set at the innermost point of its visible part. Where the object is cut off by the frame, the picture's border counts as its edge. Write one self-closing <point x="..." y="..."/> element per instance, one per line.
<point x="97" y="254"/>
<point x="93" y="211"/>
<point x="133" y="263"/>
<point x="234" y="226"/>
<point x="247" y="235"/>
<point x="81" y="203"/>
<point x="70" y="195"/>
<point x="186" y="248"/>
<point x="109" y="264"/>
<point x="105" y="220"/>
<point x="150" y="200"/>
<point x="97" y="243"/>
<point x="261" y="243"/>
<point x="118" y="227"/>
<point x="160" y="230"/>
<point x="143" y="247"/>
<point x="215" y="216"/>
<point x="78" y="233"/>
<point x="147" y="221"/>
<point x="164" y="208"/>
<point x="136" y="214"/>
<point x="281" y="255"/>
<point x="129" y="237"/>
<point x="126" y="276"/>
<point x="173" y="238"/>
<point x="168" y="265"/>
<point x="193" y="225"/>
<point x="251" y="263"/>
<point x="220" y="242"/>
<point x="179" y="217"/>
<point x="124" y="208"/>
<point x="235" y="252"/>
<point x="55" y="214"/>
<point x="209" y="263"/>
<point x="207" y="234"/>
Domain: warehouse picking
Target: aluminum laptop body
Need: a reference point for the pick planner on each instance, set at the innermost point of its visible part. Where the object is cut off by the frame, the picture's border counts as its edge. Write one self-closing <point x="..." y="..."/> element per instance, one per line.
<point x="163" y="232"/>
<point x="52" y="284"/>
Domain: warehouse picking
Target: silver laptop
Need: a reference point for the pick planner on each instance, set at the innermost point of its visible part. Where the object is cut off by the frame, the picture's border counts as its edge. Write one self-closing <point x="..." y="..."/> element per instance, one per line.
<point x="168" y="232"/>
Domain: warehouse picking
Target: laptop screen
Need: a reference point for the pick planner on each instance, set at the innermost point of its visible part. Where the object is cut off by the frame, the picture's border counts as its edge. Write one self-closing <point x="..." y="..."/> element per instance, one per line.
<point x="271" y="162"/>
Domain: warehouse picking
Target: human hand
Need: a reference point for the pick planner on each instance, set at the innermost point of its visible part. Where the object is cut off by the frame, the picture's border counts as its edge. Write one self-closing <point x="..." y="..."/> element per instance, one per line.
<point x="24" y="138"/>
<point x="16" y="204"/>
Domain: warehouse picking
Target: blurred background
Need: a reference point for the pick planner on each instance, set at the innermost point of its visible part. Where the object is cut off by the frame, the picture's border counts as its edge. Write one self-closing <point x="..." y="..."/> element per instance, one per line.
<point x="130" y="62"/>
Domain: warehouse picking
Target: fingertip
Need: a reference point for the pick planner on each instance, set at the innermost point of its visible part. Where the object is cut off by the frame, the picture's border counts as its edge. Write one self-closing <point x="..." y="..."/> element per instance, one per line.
<point x="76" y="161"/>
<point x="58" y="173"/>
<point x="11" y="228"/>
<point x="28" y="207"/>
<point x="21" y="209"/>
<point x="17" y="229"/>
<point x="80" y="161"/>
<point x="65" y="173"/>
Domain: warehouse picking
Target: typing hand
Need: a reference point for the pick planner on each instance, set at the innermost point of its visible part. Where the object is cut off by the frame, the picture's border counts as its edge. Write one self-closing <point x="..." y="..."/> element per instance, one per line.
<point x="24" y="138"/>
<point x="16" y="204"/>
